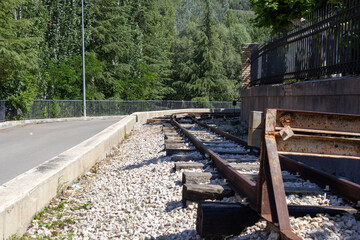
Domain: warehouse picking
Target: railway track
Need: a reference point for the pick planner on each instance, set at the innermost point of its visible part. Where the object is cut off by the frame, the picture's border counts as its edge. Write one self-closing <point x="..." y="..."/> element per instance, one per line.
<point x="228" y="168"/>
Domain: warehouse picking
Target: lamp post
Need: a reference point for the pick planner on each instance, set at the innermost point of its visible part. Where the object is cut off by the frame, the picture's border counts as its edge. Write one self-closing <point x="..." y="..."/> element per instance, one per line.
<point x="83" y="55"/>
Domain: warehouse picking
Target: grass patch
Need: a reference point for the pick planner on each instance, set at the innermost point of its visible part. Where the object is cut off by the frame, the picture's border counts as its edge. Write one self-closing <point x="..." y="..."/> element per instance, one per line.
<point x="41" y="213"/>
<point x="84" y="206"/>
<point x="126" y="136"/>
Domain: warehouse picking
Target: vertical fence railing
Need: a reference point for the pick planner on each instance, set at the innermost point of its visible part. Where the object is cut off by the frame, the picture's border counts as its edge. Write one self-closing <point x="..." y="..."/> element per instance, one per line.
<point x="327" y="43"/>
<point x="74" y="108"/>
<point x="2" y="110"/>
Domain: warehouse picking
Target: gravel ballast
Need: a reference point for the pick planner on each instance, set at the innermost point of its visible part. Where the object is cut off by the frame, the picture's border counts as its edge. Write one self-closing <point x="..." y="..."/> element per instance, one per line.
<point x="135" y="194"/>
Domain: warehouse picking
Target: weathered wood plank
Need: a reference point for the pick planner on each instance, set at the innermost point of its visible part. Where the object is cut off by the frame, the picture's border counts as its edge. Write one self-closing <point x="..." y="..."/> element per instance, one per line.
<point x="176" y="145"/>
<point x="173" y="138"/>
<point x="244" y="167"/>
<point x="225" y="151"/>
<point x="198" y="192"/>
<point x="204" y="177"/>
<point x="189" y="157"/>
<point x="198" y="177"/>
<point x="216" y="220"/>
<point x="172" y="151"/>
<point x="188" y="165"/>
<point x="170" y="141"/>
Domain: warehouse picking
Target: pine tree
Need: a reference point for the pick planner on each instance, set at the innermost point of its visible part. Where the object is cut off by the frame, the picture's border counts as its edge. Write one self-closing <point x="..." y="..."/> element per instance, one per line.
<point x="158" y="31"/>
<point x="20" y="38"/>
<point x="207" y="57"/>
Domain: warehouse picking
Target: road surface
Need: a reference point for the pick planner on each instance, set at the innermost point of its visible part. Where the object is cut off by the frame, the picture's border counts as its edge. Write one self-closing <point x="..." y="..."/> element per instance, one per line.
<point x="25" y="147"/>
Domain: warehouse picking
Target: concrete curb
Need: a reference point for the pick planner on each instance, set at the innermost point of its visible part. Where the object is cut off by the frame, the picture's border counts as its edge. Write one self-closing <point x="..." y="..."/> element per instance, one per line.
<point x="10" y="124"/>
<point x="22" y="197"/>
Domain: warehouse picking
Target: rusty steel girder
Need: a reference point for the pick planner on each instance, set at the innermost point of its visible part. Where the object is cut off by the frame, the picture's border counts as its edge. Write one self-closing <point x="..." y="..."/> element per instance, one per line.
<point x="315" y="134"/>
<point x="290" y="132"/>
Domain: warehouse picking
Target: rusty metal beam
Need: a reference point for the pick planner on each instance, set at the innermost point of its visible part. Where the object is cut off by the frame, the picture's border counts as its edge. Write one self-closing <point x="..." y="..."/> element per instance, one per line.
<point x="319" y="135"/>
<point x="271" y="198"/>
<point x="319" y="121"/>
<point x="339" y="147"/>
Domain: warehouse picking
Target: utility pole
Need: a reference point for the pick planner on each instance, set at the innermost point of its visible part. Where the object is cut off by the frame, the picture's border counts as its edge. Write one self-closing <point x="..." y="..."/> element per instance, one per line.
<point x="83" y="55"/>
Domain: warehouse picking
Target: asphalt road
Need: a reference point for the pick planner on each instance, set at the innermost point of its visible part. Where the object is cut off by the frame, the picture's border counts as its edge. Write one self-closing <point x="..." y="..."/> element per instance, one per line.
<point x="25" y="147"/>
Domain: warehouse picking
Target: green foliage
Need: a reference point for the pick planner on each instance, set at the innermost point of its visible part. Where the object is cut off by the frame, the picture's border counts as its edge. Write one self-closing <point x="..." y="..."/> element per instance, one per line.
<point x="207" y="57"/>
<point x="240" y="4"/>
<point x="63" y="33"/>
<point x="141" y="49"/>
<point x="66" y="80"/>
<point x="19" y="47"/>
<point x="55" y="109"/>
<point x="45" y="112"/>
<point x="281" y="15"/>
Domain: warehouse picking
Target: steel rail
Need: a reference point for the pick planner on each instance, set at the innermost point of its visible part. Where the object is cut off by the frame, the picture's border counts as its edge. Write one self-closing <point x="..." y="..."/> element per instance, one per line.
<point x="267" y="197"/>
<point x="228" y="136"/>
<point x="340" y="186"/>
<point x="242" y="185"/>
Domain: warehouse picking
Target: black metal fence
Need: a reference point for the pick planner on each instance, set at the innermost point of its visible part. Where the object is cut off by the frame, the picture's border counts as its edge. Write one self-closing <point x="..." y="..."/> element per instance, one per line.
<point x="2" y="110"/>
<point x="74" y="108"/>
<point x="327" y="43"/>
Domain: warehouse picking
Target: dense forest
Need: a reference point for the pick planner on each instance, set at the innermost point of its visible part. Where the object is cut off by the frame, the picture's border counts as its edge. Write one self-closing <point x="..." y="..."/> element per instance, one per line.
<point x="138" y="49"/>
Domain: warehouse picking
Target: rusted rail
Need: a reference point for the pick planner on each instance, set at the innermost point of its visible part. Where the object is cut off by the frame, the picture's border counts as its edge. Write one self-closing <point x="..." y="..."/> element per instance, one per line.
<point x="313" y="122"/>
<point x="267" y="197"/>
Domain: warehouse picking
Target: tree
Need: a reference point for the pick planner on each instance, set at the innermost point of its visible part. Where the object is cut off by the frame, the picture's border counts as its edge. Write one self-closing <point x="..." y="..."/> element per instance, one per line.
<point x="157" y="24"/>
<point x="20" y="40"/>
<point x="66" y="78"/>
<point x="280" y="15"/>
<point x="207" y="58"/>
<point x="116" y="41"/>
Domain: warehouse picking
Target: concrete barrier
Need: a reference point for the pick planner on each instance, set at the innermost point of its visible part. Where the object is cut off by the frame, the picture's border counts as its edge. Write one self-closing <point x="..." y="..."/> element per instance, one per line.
<point x="9" y="124"/>
<point x="22" y="197"/>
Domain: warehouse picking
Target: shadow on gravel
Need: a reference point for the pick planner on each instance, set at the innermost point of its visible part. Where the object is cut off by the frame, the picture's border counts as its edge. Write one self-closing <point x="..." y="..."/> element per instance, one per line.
<point x="147" y="163"/>
<point x="173" y="205"/>
<point x="187" y="234"/>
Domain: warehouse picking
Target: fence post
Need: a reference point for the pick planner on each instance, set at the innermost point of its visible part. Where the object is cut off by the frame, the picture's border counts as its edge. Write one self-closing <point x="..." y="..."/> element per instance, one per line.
<point x="2" y="110"/>
<point x="74" y="108"/>
<point x="246" y="63"/>
<point x="48" y="110"/>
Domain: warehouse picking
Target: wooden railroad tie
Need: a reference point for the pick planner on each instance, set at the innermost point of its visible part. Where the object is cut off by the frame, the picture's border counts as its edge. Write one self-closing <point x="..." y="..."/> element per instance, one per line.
<point x="205" y="177"/>
<point x="182" y="157"/>
<point x="218" y="219"/>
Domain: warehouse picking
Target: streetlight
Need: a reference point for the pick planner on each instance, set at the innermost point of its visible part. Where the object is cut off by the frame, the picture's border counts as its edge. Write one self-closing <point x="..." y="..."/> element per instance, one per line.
<point x="83" y="55"/>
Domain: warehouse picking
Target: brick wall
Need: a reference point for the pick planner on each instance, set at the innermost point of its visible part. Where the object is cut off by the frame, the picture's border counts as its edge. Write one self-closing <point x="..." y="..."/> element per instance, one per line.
<point x="246" y="63"/>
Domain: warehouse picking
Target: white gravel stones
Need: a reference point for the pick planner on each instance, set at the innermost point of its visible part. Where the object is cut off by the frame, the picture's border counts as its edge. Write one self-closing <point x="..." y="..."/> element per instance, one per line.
<point x="133" y="195"/>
